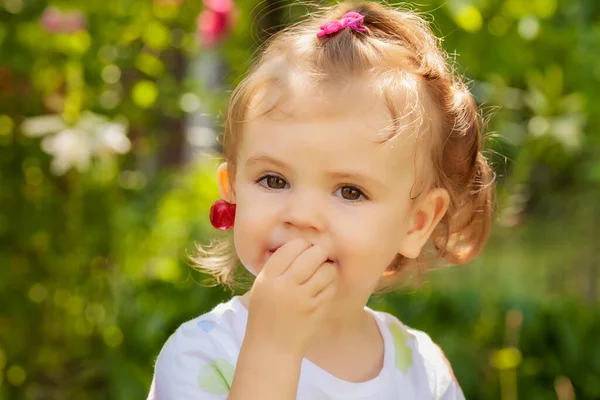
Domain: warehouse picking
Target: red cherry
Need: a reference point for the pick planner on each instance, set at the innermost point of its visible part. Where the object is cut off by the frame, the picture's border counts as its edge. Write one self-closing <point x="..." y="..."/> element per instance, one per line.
<point x="222" y="215"/>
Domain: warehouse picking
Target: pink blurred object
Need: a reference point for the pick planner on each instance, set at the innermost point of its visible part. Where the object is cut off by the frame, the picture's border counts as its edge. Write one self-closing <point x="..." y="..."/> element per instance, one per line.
<point x="56" y="21"/>
<point x="220" y="6"/>
<point x="214" y="23"/>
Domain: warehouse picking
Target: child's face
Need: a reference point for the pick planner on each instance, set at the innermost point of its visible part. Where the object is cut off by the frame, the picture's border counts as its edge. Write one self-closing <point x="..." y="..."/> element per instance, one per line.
<point x="329" y="180"/>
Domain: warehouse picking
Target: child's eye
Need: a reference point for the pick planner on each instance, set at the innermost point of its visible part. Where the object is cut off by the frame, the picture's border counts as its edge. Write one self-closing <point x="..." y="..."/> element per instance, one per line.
<point x="273" y="182"/>
<point x="351" y="193"/>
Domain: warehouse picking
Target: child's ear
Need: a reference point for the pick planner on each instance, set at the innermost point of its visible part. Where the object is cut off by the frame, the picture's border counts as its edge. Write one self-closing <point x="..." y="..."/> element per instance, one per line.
<point x="424" y="217"/>
<point x="226" y="183"/>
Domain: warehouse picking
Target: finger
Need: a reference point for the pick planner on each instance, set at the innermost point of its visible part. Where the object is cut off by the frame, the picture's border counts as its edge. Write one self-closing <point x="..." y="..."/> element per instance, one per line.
<point x="284" y="257"/>
<point x="324" y="276"/>
<point x="306" y="264"/>
<point x="325" y="293"/>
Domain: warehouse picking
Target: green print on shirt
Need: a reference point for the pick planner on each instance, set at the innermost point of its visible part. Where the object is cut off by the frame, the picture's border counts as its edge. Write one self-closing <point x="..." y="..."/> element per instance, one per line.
<point x="404" y="356"/>
<point x="216" y="377"/>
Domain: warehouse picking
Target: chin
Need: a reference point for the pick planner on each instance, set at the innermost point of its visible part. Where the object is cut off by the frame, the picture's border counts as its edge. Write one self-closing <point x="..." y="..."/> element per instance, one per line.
<point x="252" y="268"/>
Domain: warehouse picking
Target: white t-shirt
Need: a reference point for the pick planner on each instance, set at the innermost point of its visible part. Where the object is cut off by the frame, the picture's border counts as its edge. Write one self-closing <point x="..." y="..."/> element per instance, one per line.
<point x="198" y="362"/>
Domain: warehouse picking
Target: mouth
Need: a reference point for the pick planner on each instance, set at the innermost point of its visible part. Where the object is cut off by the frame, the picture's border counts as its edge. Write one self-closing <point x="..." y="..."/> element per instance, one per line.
<point x="329" y="260"/>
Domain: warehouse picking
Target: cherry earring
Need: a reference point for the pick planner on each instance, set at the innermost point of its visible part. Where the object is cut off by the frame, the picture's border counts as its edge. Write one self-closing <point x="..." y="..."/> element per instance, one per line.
<point x="222" y="215"/>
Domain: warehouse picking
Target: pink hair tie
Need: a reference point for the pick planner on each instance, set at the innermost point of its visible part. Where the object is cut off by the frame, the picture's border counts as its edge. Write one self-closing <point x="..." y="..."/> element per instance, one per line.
<point x="352" y="20"/>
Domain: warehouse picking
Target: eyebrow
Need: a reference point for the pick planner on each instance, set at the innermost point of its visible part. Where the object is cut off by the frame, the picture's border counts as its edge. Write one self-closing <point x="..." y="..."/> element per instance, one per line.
<point x="266" y="159"/>
<point x="351" y="176"/>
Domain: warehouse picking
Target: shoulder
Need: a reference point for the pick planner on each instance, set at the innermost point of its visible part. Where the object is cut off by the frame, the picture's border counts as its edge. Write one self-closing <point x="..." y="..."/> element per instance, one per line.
<point x="213" y="332"/>
<point x="423" y="358"/>
<point x="199" y="357"/>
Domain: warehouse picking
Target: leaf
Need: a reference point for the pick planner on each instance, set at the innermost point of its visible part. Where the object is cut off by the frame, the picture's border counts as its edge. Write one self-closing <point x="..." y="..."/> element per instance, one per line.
<point x="404" y="356"/>
<point x="216" y="377"/>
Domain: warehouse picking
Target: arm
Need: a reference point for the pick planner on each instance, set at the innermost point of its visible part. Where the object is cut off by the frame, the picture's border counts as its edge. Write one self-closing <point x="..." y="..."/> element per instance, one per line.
<point x="288" y="300"/>
<point x="191" y="366"/>
<point x="263" y="373"/>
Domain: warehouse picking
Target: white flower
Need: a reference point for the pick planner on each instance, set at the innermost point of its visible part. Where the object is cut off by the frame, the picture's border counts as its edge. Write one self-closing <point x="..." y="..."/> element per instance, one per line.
<point x="112" y="137"/>
<point x="42" y="125"/>
<point x="73" y="146"/>
<point x="70" y="148"/>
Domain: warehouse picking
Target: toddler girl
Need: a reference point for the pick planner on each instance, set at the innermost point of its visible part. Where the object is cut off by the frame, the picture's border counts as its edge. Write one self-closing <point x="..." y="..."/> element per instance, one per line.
<point x="350" y="150"/>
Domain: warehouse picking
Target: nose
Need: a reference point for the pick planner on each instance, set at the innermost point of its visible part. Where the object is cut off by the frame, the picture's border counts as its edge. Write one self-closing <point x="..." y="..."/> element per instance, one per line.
<point x="304" y="210"/>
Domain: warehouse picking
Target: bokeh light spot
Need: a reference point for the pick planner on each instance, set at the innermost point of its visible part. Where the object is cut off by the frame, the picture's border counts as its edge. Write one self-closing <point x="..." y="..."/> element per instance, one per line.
<point x="16" y="375"/>
<point x="95" y="313"/>
<point x="111" y="74"/>
<point x="149" y="64"/>
<point x="13" y="6"/>
<point x="133" y="180"/>
<point x="109" y="99"/>
<point x="529" y="28"/>
<point x="469" y="18"/>
<point x="2" y="358"/>
<point x="108" y="54"/>
<point x="189" y="102"/>
<point x="144" y="94"/>
<point x="498" y="26"/>
<point x="6" y="125"/>
<point x="507" y="358"/>
<point x="157" y="36"/>
<point x="38" y="293"/>
<point x="112" y="336"/>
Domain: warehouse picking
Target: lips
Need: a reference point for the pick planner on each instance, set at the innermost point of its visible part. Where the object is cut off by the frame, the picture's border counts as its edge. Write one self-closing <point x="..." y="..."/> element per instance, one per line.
<point x="275" y="249"/>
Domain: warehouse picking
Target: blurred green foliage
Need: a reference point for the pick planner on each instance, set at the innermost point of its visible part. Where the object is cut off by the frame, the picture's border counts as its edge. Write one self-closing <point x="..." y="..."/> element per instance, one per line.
<point x="95" y="275"/>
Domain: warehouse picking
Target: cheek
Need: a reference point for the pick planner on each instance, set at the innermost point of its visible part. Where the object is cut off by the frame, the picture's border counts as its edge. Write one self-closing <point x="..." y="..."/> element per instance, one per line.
<point x="374" y="226"/>
<point x="256" y="209"/>
<point x="253" y="225"/>
<point x="245" y="250"/>
<point x="370" y="241"/>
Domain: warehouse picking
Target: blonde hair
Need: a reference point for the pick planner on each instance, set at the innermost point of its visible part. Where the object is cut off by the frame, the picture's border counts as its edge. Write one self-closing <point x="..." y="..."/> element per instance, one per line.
<point x="400" y="54"/>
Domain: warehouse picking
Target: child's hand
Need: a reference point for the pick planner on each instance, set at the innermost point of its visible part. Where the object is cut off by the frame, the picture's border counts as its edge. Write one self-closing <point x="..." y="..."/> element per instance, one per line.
<point x="290" y="296"/>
